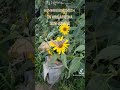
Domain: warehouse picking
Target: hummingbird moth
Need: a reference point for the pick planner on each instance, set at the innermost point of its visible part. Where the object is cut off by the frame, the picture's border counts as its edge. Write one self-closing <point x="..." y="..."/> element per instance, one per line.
<point x="59" y="43"/>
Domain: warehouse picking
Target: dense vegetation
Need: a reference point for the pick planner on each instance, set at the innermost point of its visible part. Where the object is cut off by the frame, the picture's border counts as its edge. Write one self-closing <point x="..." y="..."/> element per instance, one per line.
<point x="73" y="60"/>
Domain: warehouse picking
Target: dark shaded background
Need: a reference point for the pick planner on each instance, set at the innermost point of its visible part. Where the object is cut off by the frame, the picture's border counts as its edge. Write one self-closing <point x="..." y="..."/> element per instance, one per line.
<point x="17" y="44"/>
<point x="102" y="44"/>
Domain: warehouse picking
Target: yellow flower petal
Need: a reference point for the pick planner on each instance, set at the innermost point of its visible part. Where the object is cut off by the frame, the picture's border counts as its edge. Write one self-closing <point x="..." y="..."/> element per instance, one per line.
<point x="60" y="47"/>
<point x="52" y="44"/>
<point x="64" y="28"/>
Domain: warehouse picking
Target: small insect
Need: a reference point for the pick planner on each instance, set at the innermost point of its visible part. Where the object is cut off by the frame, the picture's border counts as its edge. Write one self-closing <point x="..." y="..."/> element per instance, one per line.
<point x="59" y="44"/>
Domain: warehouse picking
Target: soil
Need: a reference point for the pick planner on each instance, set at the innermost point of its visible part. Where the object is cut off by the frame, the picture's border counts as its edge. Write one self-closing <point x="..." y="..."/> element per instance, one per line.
<point x="44" y="87"/>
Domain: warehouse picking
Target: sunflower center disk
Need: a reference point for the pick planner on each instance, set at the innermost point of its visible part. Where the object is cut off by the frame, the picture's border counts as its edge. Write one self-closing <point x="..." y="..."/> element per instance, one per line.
<point x="60" y="45"/>
<point x="64" y="29"/>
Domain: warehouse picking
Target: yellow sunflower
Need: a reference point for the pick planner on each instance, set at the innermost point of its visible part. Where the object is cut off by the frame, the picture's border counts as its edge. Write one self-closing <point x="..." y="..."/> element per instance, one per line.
<point x="64" y="28"/>
<point x="59" y="45"/>
<point x="31" y="57"/>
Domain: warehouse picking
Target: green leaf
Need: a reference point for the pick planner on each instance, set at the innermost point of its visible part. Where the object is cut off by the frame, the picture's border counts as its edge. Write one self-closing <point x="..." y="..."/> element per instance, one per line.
<point x="82" y="69"/>
<point x="64" y="60"/>
<point x="99" y="82"/>
<point x="108" y="53"/>
<point x="80" y="48"/>
<point x="54" y="58"/>
<point x="74" y="66"/>
<point x="114" y="84"/>
<point x="11" y="36"/>
<point x="51" y="34"/>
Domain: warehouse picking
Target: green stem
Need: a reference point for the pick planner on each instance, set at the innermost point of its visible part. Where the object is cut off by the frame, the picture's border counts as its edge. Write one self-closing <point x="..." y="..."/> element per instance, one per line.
<point x="95" y="40"/>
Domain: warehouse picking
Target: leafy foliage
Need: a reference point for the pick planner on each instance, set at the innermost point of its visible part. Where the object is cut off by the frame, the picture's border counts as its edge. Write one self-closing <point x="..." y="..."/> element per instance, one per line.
<point x="73" y="60"/>
<point x="102" y="45"/>
<point x="15" y="22"/>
